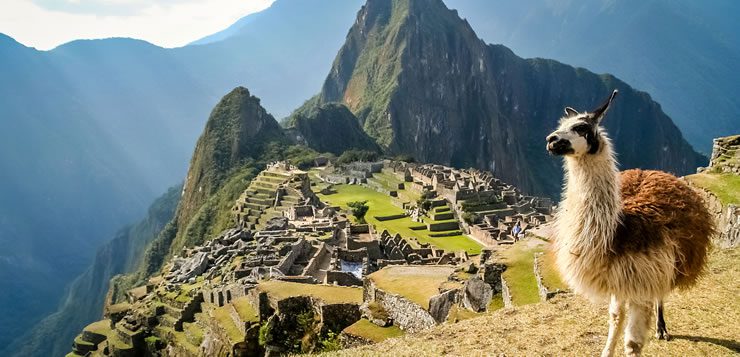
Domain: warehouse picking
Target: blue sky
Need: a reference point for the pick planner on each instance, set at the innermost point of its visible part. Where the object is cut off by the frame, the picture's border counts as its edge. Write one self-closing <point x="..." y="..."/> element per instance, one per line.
<point x="45" y="24"/>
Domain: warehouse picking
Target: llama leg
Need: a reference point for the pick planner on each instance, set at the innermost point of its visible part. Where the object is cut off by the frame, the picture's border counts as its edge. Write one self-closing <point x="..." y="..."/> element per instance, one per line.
<point x="638" y="324"/>
<point x="616" y="321"/>
<point x="661" y="332"/>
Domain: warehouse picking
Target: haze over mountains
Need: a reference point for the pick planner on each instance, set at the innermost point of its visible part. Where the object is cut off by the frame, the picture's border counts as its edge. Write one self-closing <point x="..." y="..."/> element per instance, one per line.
<point x="97" y="129"/>
<point x="94" y="130"/>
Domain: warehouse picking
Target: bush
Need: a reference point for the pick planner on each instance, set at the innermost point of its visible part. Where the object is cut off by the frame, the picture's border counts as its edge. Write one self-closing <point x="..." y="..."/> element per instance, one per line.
<point x="265" y="335"/>
<point x="359" y="210"/>
<point x="357" y="155"/>
<point x="330" y="343"/>
<point x="470" y="217"/>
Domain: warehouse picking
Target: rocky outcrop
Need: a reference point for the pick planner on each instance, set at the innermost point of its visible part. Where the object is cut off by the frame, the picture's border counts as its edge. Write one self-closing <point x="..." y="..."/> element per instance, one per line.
<point x="422" y="83"/>
<point x="726" y="155"/>
<point x="477" y="294"/>
<point x="440" y="305"/>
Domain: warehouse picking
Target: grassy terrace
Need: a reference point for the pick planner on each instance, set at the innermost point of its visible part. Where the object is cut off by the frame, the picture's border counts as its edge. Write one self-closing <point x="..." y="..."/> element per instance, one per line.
<point x="102" y="327"/>
<point x="725" y="186"/>
<point x="245" y="310"/>
<point x="519" y="274"/>
<point x="370" y="331"/>
<point x="221" y="314"/>
<point x="380" y="205"/>
<point x="328" y="293"/>
<point x="416" y="283"/>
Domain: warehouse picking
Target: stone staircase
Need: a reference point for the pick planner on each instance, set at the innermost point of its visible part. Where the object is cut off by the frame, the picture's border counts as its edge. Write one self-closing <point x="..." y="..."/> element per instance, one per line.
<point x="259" y="197"/>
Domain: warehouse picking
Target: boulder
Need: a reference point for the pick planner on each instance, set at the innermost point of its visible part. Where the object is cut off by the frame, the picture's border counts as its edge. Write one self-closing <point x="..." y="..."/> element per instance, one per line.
<point x="439" y="305"/>
<point x="477" y="294"/>
<point x="193" y="267"/>
<point x="277" y="224"/>
<point x="492" y="275"/>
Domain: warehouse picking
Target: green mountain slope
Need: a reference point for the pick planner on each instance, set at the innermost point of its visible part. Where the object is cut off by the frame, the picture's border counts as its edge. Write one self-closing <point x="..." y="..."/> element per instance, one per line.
<point x="331" y="128"/>
<point x="83" y="301"/>
<point x="424" y="84"/>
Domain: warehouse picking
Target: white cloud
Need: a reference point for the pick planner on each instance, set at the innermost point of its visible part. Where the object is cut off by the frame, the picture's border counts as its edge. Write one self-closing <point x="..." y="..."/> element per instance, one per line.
<point x="167" y="23"/>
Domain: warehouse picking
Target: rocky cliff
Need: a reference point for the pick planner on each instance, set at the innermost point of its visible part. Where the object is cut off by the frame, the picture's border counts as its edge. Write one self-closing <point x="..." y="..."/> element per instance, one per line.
<point x="422" y="83"/>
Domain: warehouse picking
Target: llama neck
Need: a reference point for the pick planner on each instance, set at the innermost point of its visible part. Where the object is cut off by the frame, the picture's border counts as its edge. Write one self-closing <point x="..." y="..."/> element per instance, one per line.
<point x="592" y="201"/>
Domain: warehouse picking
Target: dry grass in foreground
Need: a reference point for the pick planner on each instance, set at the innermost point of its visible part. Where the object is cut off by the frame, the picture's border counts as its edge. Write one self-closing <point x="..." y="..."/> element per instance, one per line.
<point x="703" y="321"/>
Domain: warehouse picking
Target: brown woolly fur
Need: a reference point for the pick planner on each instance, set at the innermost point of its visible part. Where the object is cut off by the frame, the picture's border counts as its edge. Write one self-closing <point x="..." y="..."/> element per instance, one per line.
<point x="658" y="206"/>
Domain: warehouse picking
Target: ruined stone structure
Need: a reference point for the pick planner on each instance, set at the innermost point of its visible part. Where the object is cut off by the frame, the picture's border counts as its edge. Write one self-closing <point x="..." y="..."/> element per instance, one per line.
<point x="285" y="233"/>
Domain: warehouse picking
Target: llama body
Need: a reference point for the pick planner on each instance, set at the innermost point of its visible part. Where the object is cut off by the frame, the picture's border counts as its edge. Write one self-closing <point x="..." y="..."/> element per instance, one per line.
<point x="631" y="237"/>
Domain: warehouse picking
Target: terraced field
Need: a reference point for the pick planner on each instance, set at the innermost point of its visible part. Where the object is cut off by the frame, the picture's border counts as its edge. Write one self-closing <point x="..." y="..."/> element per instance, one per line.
<point x="381" y="205"/>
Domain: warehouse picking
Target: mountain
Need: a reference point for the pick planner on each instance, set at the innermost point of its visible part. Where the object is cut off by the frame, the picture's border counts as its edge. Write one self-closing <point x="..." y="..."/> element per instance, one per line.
<point x="83" y="301"/>
<point x="330" y="128"/>
<point x="94" y="130"/>
<point x="683" y="53"/>
<point x="422" y="83"/>
<point x="238" y="136"/>
<point x="90" y="137"/>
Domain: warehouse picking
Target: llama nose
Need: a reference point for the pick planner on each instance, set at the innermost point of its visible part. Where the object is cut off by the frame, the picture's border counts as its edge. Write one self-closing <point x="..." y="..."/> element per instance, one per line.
<point x="552" y="138"/>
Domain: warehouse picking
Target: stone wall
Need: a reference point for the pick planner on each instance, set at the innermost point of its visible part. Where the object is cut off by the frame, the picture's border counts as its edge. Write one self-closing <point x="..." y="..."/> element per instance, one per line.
<point x="342" y="278"/>
<point x="314" y="264"/>
<point x="297" y="249"/>
<point x="336" y="317"/>
<point x="506" y="293"/>
<point x="544" y="291"/>
<point x="727" y="219"/>
<point x="407" y="315"/>
<point x="725" y="154"/>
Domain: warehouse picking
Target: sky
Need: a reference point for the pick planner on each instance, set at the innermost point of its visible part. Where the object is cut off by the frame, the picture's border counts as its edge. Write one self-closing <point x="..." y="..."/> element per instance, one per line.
<point x="45" y="24"/>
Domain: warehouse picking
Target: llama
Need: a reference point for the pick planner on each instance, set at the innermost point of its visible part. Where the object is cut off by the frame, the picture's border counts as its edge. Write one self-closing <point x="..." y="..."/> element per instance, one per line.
<point x="630" y="237"/>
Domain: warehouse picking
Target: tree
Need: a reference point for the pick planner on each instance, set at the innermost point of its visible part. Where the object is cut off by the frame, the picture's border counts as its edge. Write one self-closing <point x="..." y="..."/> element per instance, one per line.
<point x="359" y="209"/>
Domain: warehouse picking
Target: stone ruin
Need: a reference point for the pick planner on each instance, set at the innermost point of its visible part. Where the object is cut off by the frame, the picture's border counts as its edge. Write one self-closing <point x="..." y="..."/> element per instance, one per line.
<point x="498" y="206"/>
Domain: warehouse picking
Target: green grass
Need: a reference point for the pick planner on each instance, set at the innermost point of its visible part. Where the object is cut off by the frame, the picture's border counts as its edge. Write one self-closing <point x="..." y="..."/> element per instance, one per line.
<point x="725" y="186"/>
<point x="496" y="303"/>
<point x="415" y="283"/>
<point x="370" y="331"/>
<point x="221" y="314"/>
<point x="194" y="331"/>
<point x="550" y="275"/>
<point x="328" y="293"/>
<point x="80" y="342"/>
<point x="388" y="180"/>
<point x="519" y="274"/>
<point x="101" y="327"/>
<point x="380" y="205"/>
<point x="245" y="309"/>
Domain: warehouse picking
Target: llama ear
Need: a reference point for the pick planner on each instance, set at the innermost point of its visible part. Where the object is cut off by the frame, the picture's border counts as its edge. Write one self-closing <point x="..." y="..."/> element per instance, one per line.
<point x="570" y="112"/>
<point x="598" y="114"/>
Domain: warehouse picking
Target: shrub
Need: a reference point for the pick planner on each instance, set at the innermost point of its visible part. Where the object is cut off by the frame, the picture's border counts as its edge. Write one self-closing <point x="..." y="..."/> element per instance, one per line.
<point x="359" y="210"/>
<point x="357" y="155"/>
<point x="330" y="343"/>
<point x="470" y="217"/>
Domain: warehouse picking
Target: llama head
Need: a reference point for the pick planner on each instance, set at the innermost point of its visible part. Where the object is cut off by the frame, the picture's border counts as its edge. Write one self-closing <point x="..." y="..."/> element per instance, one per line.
<point x="579" y="133"/>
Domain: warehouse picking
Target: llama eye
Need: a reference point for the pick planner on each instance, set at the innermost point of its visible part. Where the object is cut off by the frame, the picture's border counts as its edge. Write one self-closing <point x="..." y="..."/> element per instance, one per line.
<point x="581" y="128"/>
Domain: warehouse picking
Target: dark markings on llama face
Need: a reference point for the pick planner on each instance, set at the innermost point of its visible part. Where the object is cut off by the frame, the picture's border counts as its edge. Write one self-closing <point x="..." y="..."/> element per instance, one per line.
<point x="590" y="133"/>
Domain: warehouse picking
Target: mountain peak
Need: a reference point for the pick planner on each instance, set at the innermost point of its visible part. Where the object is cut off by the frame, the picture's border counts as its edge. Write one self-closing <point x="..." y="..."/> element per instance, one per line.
<point x="237" y="131"/>
<point x="422" y="83"/>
